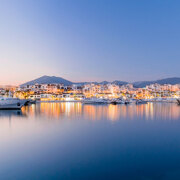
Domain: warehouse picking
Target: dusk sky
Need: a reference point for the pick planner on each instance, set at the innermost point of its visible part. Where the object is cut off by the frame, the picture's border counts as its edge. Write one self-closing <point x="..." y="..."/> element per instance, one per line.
<point x="89" y="40"/>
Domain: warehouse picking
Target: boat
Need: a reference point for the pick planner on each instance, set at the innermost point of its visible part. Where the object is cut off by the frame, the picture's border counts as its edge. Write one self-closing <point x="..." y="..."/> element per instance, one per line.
<point x="117" y="101"/>
<point x="11" y="103"/>
<point x="140" y="101"/>
<point x="127" y="101"/>
<point x="29" y="102"/>
<point x="94" y="101"/>
<point x="114" y="102"/>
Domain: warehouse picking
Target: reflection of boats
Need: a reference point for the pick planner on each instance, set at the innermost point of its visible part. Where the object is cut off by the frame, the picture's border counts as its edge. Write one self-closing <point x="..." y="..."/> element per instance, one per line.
<point x="140" y="101"/>
<point x="11" y="103"/>
<point x="11" y="113"/>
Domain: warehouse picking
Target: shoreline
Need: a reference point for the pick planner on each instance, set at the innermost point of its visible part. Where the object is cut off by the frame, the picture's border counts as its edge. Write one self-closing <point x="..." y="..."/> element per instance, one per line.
<point x="101" y="103"/>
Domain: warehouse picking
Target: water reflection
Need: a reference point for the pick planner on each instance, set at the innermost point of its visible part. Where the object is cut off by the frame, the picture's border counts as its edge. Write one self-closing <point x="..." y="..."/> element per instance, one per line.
<point x="76" y="141"/>
<point x="148" y="111"/>
<point x="10" y="113"/>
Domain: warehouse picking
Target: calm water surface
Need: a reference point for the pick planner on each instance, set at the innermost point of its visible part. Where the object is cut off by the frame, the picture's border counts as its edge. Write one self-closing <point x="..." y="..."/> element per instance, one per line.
<point x="75" y="141"/>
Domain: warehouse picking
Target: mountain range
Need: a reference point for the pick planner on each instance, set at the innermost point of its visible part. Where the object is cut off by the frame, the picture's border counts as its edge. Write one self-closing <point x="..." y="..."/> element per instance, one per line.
<point x="139" y="84"/>
<point x="172" y="81"/>
<point x="48" y="80"/>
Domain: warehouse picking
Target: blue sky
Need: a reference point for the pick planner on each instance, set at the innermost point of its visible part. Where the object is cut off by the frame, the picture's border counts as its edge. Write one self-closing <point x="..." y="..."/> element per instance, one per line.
<point x="89" y="40"/>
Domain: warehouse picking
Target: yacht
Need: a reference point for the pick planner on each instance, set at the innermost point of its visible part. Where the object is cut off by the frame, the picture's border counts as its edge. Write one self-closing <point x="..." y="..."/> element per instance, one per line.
<point x="11" y="103"/>
<point x="117" y="101"/>
<point x="94" y="101"/>
<point x="140" y="101"/>
<point x="127" y="101"/>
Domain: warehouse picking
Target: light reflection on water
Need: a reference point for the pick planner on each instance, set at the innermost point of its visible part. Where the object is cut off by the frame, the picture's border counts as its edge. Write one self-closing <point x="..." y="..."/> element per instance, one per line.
<point x="148" y="111"/>
<point x="76" y="141"/>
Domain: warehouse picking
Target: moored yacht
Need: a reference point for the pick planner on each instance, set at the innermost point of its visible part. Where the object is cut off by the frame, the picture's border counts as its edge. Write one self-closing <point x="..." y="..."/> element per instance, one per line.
<point x="94" y="101"/>
<point x="127" y="101"/>
<point x="11" y="103"/>
<point x="140" y="101"/>
<point x="117" y="101"/>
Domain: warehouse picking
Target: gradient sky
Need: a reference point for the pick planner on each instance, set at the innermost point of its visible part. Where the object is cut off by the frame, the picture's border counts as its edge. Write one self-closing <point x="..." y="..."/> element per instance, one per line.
<point x="88" y="40"/>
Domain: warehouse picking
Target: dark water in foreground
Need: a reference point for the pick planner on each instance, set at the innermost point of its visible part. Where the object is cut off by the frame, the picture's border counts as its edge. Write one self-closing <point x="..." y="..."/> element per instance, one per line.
<point x="74" y="141"/>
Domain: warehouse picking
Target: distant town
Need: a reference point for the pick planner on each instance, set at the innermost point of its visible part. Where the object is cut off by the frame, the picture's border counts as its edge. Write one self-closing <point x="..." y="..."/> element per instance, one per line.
<point x="77" y="92"/>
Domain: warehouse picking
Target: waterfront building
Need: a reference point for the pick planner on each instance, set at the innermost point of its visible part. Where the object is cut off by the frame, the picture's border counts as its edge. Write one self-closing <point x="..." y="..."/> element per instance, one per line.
<point x="47" y="92"/>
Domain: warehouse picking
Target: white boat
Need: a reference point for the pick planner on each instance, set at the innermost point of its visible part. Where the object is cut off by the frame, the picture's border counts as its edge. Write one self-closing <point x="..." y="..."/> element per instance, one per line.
<point x="117" y="101"/>
<point x="128" y="101"/>
<point x="94" y="101"/>
<point x="11" y="103"/>
<point x="140" y="101"/>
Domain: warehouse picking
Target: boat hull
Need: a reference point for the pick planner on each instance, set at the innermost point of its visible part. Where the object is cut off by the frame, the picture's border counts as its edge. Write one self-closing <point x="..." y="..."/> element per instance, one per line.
<point x="92" y="102"/>
<point x="12" y="104"/>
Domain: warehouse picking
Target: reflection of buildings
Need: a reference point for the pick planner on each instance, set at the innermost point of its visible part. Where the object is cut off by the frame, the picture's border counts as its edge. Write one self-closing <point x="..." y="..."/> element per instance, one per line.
<point x="106" y="112"/>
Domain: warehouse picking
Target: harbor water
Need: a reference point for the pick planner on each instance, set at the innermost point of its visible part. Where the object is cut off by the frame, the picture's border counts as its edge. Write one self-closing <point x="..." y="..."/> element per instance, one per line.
<point x="76" y="141"/>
